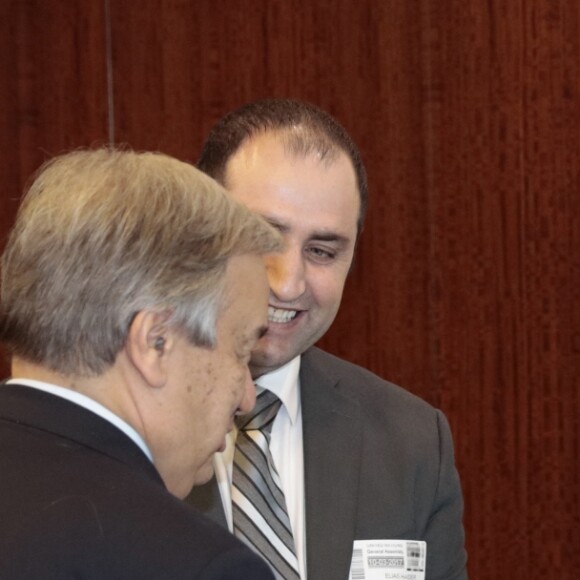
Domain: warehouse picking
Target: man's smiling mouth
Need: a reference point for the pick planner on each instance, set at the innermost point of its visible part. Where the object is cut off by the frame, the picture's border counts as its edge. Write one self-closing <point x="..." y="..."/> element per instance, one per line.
<point x="281" y="316"/>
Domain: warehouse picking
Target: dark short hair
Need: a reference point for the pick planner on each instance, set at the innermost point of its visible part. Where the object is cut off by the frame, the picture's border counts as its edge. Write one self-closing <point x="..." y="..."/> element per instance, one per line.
<point x="310" y="130"/>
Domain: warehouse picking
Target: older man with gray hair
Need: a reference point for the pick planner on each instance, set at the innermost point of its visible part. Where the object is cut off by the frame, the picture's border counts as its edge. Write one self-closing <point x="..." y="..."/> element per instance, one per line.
<point x="133" y="292"/>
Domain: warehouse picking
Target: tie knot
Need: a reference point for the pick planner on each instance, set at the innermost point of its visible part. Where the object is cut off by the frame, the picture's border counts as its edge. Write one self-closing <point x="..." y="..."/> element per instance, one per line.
<point x="262" y="415"/>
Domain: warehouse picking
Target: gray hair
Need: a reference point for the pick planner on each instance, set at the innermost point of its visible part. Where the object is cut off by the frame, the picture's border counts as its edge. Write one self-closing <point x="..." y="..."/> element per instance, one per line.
<point x="104" y="234"/>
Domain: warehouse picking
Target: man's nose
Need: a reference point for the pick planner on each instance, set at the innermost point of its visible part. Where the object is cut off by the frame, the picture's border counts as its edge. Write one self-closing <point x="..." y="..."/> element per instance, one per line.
<point x="287" y="275"/>
<point x="249" y="399"/>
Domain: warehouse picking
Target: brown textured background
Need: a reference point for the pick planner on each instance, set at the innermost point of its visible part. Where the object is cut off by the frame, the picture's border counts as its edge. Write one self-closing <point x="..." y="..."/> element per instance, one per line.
<point x="466" y="288"/>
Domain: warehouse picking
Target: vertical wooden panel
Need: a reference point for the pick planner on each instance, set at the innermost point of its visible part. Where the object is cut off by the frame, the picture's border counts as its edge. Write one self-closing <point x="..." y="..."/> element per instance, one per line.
<point x="504" y="103"/>
<point x="53" y="89"/>
<point x="57" y="78"/>
<point x="466" y="288"/>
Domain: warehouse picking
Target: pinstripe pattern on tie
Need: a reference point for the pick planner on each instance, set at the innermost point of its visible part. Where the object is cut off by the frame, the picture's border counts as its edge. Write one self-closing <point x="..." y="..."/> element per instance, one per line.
<point x="259" y="508"/>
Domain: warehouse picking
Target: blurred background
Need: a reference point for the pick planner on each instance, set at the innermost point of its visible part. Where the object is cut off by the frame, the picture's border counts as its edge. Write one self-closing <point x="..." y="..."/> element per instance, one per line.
<point x="466" y="289"/>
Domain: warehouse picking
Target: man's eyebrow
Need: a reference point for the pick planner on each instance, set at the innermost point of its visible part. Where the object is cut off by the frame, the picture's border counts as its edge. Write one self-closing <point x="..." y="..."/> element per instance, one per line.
<point x="329" y="237"/>
<point x="321" y="236"/>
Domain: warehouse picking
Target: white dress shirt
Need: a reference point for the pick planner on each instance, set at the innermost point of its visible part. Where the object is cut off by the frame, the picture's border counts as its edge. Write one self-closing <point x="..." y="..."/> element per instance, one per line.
<point x="287" y="453"/>
<point x="89" y="404"/>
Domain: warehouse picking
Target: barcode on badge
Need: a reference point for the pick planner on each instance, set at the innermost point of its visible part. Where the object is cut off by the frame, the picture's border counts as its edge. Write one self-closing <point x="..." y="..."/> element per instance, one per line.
<point x="357" y="570"/>
<point x="416" y="554"/>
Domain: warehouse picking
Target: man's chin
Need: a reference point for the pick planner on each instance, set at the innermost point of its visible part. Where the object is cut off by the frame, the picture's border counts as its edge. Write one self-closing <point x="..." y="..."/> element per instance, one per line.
<point x="269" y="359"/>
<point x="204" y="474"/>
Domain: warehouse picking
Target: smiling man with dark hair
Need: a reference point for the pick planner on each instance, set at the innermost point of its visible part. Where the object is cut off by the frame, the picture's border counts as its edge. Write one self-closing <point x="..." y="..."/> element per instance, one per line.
<point x="358" y="463"/>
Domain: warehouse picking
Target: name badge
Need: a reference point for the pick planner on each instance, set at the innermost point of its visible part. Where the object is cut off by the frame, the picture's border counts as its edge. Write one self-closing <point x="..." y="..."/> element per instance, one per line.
<point x="388" y="560"/>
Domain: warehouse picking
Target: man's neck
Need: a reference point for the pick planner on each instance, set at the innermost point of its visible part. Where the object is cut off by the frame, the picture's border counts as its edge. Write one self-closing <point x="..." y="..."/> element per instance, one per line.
<point x="22" y="368"/>
<point x="94" y="387"/>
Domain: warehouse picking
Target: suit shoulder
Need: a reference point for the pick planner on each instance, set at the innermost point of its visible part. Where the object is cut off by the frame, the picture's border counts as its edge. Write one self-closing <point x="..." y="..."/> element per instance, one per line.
<point x="365" y="386"/>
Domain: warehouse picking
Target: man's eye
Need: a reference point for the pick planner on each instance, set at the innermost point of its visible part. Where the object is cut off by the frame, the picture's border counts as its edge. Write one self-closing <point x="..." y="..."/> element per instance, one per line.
<point x="321" y="255"/>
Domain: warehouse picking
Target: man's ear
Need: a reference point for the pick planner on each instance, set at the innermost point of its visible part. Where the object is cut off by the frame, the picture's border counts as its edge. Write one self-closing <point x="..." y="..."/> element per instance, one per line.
<point x="148" y="344"/>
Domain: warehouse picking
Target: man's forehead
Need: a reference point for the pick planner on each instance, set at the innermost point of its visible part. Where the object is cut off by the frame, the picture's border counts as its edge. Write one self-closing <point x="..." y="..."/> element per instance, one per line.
<point x="266" y="156"/>
<point x="294" y="190"/>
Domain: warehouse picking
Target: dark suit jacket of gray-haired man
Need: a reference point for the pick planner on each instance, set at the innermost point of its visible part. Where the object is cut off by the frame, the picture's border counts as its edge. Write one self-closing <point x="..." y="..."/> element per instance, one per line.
<point x="133" y="290"/>
<point x="364" y="464"/>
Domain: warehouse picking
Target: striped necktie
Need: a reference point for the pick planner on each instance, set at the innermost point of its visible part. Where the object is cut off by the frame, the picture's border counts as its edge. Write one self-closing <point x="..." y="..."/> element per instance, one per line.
<point x="259" y="508"/>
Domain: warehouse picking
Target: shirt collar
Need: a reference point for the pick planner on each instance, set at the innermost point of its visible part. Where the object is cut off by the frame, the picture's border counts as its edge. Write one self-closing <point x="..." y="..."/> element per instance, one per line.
<point x="284" y="383"/>
<point x="87" y="403"/>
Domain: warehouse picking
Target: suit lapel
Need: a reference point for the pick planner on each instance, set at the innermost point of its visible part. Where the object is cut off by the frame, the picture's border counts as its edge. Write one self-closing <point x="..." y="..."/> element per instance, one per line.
<point x="332" y="432"/>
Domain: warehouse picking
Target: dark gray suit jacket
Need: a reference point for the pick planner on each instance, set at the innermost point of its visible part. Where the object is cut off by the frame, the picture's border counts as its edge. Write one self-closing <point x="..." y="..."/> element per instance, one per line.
<point x="79" y="499"/>
<point x="378" y="464"/>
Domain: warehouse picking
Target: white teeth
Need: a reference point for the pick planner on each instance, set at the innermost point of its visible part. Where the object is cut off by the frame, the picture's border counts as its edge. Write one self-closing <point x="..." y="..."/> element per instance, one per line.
<point x="281" y="316"/>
